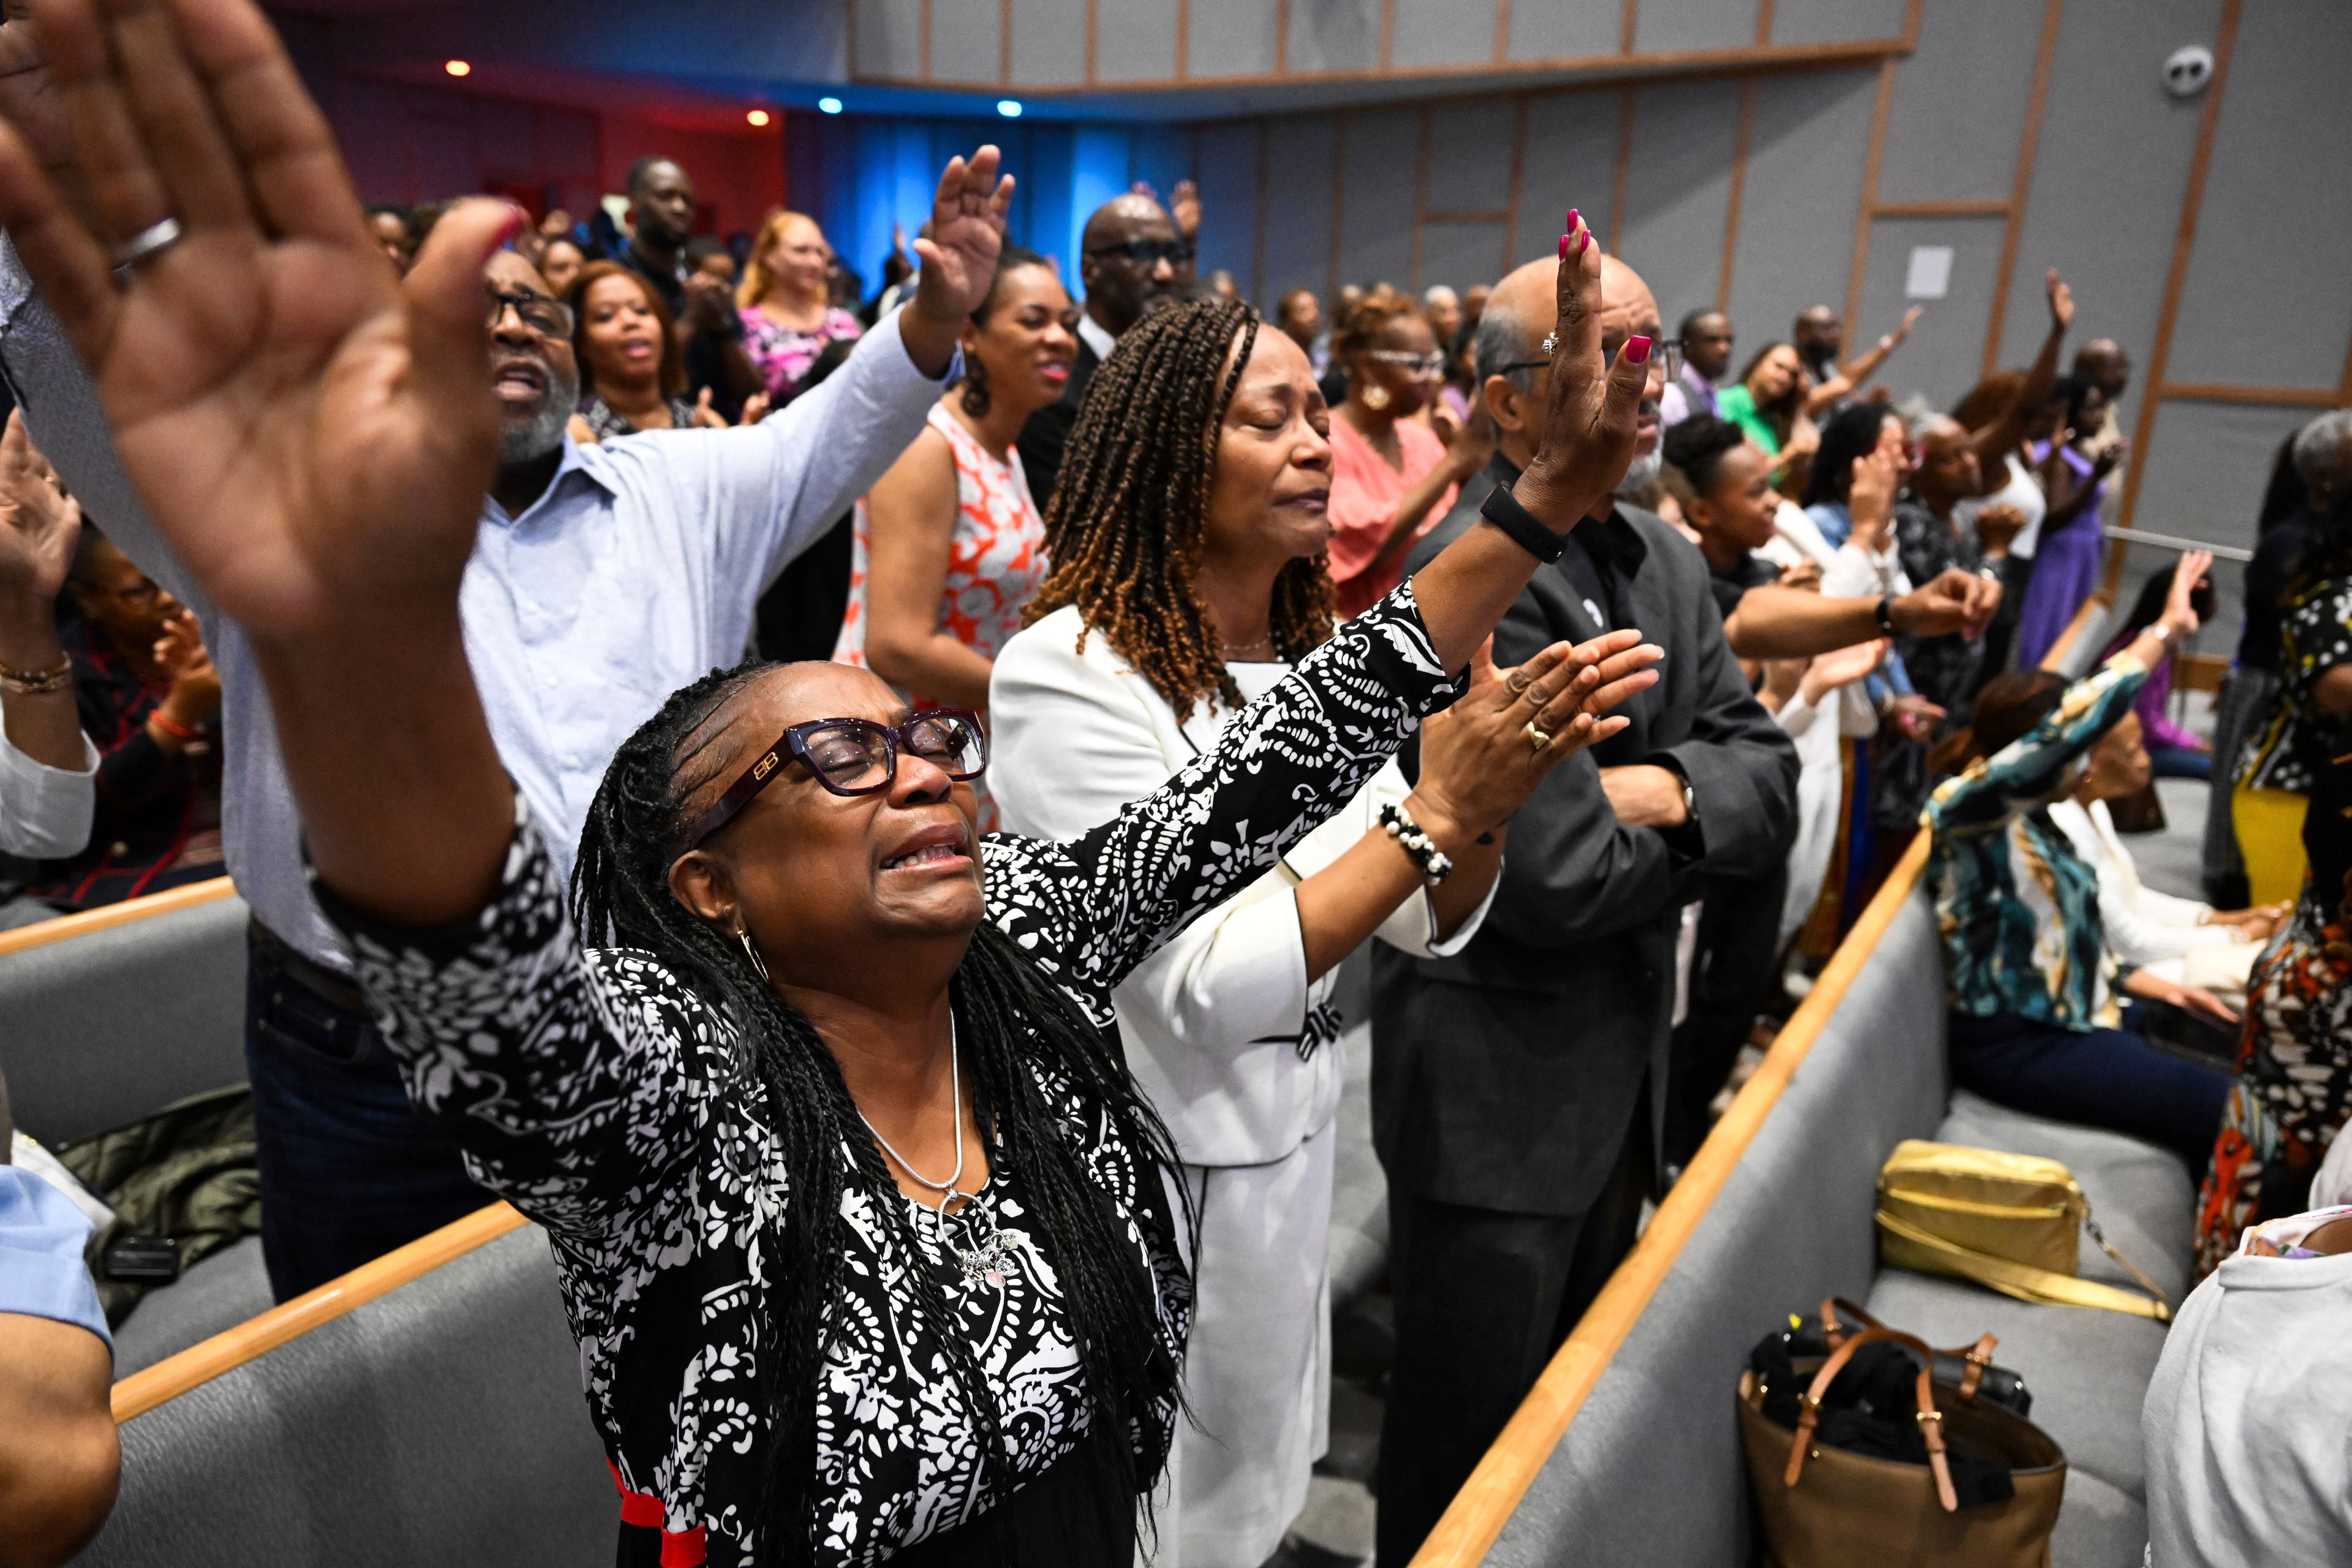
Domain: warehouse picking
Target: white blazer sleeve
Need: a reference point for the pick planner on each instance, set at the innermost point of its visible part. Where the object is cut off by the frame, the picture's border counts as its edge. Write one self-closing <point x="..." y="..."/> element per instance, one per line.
<point x="1071" y="744"/>
<point x="2131" y="935"/>
<point x="45" y="811"/>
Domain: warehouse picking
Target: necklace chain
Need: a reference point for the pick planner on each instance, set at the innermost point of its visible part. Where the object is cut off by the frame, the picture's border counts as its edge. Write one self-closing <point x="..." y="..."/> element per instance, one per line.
<point x="985" y="1261"/>
<point x="947" y="1188"/>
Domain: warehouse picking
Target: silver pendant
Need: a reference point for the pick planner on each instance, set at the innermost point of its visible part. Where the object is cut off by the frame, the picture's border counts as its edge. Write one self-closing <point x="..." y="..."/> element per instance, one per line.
<point x="985" y="1260"/>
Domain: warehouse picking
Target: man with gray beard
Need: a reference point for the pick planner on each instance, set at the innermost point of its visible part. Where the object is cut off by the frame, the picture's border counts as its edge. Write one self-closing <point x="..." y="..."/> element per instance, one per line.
<point x="603" y="578"/>
<point x="1520" y="1148"/>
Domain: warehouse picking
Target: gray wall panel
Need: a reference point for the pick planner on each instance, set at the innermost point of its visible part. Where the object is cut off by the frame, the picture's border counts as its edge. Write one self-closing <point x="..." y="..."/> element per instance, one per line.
<point x="1335" y="35"/>
<point x="1470" y="147"/>
<point x="2108" y="182"/>
<point x="1678" y="190"/>
<point x="1049" y="42"/>
<point x="1135" y="40"/>
<point x="889" y="37"/>
<point x="1953" y="124"/>
<point x="1376" y="214"/>
<point x="1230" y="37"/>
<point x="1661" y="25"/>
<point x="1442" y="33"/>
<point x="1571" y="162"/>
<point x="1568" y="29"/>
<point x="1461" y="254"/>
<point x="967" y="43"/>
<point x="1227" y="159"/>
<point x="1946" y="350"/>
<point x="1297" y="237"/>
<point x="2207" y="465"/>
<point x="2266" y="300"/>
<point x="1835" y="21"/>
<point x="1805" y="154"/>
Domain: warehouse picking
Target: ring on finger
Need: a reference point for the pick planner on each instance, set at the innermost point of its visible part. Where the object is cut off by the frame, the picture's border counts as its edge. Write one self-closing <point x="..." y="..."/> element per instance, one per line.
<point x="147" y="243"/>
<point x="1540" y="739"/>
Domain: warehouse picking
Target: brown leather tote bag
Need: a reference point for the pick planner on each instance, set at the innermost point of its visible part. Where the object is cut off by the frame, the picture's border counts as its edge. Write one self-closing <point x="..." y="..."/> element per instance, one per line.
<point x="1826" y="1507"/>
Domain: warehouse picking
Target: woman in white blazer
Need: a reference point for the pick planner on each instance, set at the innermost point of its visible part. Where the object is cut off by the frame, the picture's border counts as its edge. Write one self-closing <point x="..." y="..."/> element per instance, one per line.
<point x="1176" y="596"/>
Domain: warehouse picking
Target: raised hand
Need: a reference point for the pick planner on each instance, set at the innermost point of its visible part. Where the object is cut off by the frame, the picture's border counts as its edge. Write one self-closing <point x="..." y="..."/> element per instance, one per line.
<point x="707" y="417"/>
<point x="311" y="434"/>
<point x="1842" y="666"/>
<point x="1590" y="407"/>
<point x="1185" y="210"/>
<point x="2062" y="301"/>
<point x="959" y="259"/>
<point x="39" y="526"/>
<point x="196" y="693"/>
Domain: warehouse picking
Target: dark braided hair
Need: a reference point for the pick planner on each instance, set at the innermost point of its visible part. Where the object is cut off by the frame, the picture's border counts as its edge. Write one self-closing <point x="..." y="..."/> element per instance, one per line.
<point x="1125" y="526"/>
<point x="1013" y="1026"/>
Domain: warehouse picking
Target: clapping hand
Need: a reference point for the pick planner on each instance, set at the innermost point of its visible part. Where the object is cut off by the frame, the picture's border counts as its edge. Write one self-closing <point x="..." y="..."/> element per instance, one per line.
<point x="1591" y="405"/>
<point x="39" y="527"/>
<point x="311" y="434"/>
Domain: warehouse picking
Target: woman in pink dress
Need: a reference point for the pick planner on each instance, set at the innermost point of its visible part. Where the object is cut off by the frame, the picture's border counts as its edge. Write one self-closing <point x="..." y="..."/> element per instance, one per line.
<point x="949" y="547"/>
<point x="1391" y="476"/>
<point x="787" y="304"/>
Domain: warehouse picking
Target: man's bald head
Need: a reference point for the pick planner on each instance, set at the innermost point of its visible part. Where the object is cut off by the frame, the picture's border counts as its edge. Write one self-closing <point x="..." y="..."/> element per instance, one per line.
<point x="1130" y="264"/>
<point x="2103" y="362"/>
<point x="1818" y="338"/>
<point x="1521" y="313"/>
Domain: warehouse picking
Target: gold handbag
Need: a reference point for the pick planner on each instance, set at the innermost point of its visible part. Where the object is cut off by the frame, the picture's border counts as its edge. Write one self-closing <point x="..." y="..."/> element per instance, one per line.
<point x="2011" y="1222"/>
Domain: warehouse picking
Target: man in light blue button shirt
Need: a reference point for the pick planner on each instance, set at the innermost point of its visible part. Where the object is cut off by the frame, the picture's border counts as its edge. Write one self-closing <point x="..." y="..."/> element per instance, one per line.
<point x="603" y="578"/>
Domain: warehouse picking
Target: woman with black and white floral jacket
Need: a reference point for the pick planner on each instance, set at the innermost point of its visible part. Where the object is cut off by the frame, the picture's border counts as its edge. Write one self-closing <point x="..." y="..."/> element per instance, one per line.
<point x="863" y="1231"/>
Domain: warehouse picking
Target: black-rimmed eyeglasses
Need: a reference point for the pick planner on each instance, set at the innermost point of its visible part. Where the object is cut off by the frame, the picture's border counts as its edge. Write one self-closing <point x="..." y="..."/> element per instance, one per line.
<point x="1668" y="351"/>
<point x="1147" y="252"/>
<point x="855" y="756"/>
<point x="548" y="317"/>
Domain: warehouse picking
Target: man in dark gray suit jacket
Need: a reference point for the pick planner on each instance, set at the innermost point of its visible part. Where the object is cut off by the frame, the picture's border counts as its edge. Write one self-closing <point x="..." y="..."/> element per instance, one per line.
<point x="1516" y="1087"/>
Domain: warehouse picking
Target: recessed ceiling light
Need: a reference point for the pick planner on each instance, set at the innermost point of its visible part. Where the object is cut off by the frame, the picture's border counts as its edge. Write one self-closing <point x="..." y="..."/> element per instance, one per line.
<point x="829" y="105"/>
<point x="458" y="68"/>
<point x="1009" y="106"/>
<point x="758" y="117"/>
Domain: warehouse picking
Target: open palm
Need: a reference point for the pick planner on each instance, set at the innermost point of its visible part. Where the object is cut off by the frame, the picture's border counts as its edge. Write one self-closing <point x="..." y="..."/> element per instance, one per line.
<point x="302" y="428"/>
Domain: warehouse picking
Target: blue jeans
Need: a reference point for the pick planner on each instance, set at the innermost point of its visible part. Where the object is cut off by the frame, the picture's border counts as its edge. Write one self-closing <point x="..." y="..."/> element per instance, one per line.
<point x="2180" y="762"/>
<point x="2100" y="1077"/>
<point x="348" y="1170"/>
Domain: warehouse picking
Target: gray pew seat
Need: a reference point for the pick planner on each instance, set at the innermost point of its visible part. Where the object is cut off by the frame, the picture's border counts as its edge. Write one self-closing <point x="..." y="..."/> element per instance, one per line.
<point x="1650" y="1470"/>
<point x="441" y="1423"/>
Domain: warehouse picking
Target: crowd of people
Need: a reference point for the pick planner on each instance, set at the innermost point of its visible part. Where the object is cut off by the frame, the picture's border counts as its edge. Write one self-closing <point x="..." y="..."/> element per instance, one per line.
<point x="650" y="765"/>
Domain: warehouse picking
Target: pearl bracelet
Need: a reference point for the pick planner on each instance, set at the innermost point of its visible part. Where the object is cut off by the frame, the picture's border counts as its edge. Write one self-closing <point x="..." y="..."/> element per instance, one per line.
<point x="1434" y="863"/>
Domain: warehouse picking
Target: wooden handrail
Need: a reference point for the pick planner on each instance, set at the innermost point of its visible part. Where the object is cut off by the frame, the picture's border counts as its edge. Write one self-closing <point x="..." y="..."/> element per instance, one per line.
<point x="200" y="1364"/>
<point x="1487" y="1498"/>
<point x="171" y="901"/>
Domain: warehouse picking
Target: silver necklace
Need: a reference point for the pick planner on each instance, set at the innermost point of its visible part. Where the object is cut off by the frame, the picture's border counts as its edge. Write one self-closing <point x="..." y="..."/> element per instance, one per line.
<point x="981" y="1257"/>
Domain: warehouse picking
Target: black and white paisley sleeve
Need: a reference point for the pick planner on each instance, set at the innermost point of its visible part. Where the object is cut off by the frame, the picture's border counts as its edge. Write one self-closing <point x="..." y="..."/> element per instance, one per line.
<point x="1089" y="910"/>
<point x="562" y="1073"/>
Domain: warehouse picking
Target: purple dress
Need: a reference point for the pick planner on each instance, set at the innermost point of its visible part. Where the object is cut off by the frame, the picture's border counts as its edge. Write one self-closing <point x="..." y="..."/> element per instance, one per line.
<point x="2066" y="568"/>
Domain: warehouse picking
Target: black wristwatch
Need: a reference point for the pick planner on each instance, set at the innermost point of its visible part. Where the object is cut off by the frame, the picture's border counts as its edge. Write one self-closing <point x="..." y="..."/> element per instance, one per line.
<point x="1886" y="615"/>
<point x="1526" y="530"/>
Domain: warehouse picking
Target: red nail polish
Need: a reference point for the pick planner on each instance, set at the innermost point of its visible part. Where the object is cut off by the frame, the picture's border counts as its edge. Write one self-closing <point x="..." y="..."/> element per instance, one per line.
<point x="1584" y="242"/>
<point x="1638" y="350"/>
<point x="1564" y="248"/>
<point x="1573" y="216"/>
<point x="516" y="218"/>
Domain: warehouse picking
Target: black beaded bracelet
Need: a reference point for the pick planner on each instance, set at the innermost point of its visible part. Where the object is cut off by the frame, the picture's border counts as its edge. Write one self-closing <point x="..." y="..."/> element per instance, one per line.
<point x="1434" y="863"/>
<point x="1504" y="511"/>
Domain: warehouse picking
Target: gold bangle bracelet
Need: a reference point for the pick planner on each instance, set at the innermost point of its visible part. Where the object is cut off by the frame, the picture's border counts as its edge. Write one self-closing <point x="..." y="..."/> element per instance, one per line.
<point x="37" y="682"/>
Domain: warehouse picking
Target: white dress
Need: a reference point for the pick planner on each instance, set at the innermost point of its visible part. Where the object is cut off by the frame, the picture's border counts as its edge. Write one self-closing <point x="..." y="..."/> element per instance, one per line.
<point x="1238" y="1052"/>
<point x="2020" y="491"/>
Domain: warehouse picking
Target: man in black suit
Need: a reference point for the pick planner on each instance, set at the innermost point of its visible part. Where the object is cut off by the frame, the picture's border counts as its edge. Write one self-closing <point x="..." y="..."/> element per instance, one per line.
<point x="1133" y="262"/>
<point x="1516" y="1086"/>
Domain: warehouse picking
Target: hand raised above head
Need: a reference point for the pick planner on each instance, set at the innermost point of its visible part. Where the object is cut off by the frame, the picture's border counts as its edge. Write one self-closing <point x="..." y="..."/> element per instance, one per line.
<point x="311" y="434"/>
<point x="1591" y="408"/>
<point x="39" y="524"/>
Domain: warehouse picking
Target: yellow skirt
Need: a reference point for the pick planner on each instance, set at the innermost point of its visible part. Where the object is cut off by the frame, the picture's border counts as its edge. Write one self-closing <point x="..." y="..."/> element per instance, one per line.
<point x="2270" y="836"/>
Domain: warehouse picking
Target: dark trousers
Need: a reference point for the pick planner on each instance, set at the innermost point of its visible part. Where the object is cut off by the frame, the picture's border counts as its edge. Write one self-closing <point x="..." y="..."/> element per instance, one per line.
<point x="1732" y="973"/>
<point x="2102" y="1078"/>
<point x="1483" y="1300"/>
<point x="348" y="1170"/>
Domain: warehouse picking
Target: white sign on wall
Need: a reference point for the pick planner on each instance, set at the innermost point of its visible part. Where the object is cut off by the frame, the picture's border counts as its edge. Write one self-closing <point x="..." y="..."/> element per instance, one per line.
<point x="1930" y="277"/>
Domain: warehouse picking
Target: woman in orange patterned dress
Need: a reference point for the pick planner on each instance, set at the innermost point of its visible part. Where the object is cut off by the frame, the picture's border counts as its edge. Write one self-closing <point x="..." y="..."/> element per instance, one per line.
<point x="950" y="547"/>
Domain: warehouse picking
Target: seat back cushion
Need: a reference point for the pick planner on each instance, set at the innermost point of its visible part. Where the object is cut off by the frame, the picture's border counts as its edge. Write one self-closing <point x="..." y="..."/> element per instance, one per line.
<point x="1650" y="1472"/>
<point x="105" y="1028"/>
<point x="441" y="1423"/>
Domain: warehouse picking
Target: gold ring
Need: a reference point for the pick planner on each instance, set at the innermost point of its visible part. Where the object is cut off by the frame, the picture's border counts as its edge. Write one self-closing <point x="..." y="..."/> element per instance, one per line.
<point x="1543" y="742"/>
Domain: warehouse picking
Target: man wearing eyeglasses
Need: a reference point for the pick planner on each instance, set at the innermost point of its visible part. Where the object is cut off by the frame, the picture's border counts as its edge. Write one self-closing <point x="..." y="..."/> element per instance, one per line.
<point x="1132" y="262"/>
<point x="602" y="578"/>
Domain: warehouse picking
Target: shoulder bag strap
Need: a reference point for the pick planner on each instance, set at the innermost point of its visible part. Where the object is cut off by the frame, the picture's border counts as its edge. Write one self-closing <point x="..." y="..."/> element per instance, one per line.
<point x="2028" y="1283"/>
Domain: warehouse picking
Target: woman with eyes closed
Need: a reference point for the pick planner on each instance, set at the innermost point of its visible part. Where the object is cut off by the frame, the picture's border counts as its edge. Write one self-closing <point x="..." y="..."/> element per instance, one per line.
<point x="862" y="1226"/>
<point x="948" y="546"/>
<point x="1170" y="605"/>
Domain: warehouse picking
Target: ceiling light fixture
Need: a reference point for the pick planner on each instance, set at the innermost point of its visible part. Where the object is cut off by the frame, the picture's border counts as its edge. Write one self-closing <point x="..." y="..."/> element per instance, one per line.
<point x="1009" y="106"/>
<point x="758" y="117"/>
<point x="458" y="68"/>
<point x="829" y="105"/>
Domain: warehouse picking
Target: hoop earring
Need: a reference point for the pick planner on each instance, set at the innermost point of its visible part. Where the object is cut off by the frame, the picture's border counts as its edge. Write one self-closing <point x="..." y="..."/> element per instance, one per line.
<point x="975" y="387"/>
<point x="759" y="964"/>
<point x="1375" y="396"/>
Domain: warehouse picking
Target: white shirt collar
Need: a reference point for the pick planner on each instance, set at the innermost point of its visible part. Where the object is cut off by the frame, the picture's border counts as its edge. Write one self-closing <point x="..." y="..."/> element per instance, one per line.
<point x="1093" y="333"/>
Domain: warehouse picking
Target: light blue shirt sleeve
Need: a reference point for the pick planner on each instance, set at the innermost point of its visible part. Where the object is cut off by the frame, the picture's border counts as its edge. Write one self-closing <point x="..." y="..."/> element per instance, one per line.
<point x="42" y="1235"/>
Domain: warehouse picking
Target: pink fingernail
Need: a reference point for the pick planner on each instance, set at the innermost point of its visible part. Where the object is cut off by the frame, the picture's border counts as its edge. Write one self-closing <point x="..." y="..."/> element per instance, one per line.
<point x="1564" y="248"/>
<point x="1573" y="217"/>
<point x="1638" y="350"/>
<point x="516" y="218"/>
<point x="1583" y="241"/>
